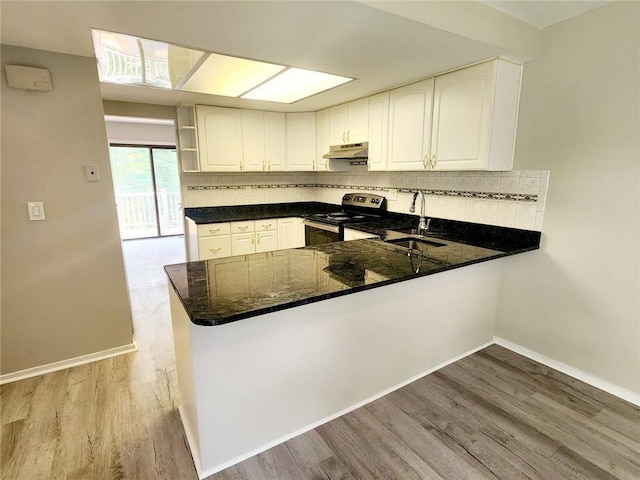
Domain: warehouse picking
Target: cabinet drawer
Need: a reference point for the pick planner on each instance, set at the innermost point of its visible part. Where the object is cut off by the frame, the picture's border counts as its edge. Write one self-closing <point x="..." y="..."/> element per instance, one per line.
<point x="214" y="247"/>
<point x="209" y="229"/>
<point x="266" y="224"/>
<point x="242" y="227"/>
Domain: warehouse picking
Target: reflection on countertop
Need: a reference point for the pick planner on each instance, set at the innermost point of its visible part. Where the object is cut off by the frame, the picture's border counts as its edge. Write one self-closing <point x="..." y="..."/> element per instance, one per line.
<point x="224" y="290"/>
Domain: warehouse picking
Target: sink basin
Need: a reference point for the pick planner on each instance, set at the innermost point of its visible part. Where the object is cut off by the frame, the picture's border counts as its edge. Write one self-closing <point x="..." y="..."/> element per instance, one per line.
<point x="415" y="231"/>
<point x="416" y="243"/>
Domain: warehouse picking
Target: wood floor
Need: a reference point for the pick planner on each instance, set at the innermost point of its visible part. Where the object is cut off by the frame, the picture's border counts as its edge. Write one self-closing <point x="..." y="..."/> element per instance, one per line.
<point x="493" y="414"/>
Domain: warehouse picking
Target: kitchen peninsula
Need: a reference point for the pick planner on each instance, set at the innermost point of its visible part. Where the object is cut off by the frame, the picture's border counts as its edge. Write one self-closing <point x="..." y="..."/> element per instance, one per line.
<point x="272" y="344"/>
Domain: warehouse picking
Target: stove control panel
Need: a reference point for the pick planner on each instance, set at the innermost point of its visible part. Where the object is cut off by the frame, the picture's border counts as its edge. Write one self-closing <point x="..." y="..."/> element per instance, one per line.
<point x="364" y="200"/>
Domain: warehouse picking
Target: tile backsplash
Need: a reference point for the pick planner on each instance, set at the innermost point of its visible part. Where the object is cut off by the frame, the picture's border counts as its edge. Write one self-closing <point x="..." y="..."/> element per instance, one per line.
<point x="509" y="199"/>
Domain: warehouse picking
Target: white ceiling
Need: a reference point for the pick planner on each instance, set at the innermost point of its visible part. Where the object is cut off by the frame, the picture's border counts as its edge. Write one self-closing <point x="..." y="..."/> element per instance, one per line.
<point x="542" y="14"/>
<point x="379" y="45"/>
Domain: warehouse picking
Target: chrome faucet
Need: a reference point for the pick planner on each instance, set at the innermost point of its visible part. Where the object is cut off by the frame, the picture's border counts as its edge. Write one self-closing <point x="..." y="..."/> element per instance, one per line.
<point x="423" y="225"/>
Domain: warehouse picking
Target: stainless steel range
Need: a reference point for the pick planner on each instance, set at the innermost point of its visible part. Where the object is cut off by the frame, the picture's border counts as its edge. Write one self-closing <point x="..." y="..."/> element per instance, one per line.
<point x="356" y="208"/>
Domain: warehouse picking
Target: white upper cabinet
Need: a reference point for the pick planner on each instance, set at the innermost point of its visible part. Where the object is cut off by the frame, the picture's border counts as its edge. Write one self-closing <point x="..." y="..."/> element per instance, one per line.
<point x="219" y="138"/>
<point x="275" y="141"/>
<point x="410" y="126"/>
<point x="349" y="123"/>
<point x="323" y="140"/>
<point x="474" y="117"/>
<point x="378" y="131"/>
<point x="301" y="141"/>
<point x="253" y="141"/>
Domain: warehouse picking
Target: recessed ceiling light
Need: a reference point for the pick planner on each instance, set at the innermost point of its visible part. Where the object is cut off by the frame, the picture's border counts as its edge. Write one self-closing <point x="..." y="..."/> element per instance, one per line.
<point x="295" y="84"/>
<point x="229" y="76"/>
<point x="129" y="60"/>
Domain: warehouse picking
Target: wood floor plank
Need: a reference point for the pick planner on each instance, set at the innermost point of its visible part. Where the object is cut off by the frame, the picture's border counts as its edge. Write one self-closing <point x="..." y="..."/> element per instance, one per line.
<point x="564" y="381"/>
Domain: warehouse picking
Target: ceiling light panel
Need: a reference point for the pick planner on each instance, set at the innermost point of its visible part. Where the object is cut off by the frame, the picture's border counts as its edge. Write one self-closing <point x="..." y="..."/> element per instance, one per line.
<point x="229" y="76"/>
<point x="295" y="84"/>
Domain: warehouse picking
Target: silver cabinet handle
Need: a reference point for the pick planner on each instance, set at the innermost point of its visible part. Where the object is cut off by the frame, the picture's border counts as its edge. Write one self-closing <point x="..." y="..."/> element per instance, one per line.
<point x="252" y="239"/>
<point x="425" y="160"/>
<point x="214" y="230"/>
<point x="433" y="161"/>
<point x="258" y="235"/>
<point x="243" y="228"/>
<point x="266" y="225"/>
<point x="214" y="250"/>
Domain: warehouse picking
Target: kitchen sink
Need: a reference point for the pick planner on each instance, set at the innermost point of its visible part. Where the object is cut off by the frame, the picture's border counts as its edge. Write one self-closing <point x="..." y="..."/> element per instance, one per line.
<point x="419" y="244"/>
<point x="415" y="231"/>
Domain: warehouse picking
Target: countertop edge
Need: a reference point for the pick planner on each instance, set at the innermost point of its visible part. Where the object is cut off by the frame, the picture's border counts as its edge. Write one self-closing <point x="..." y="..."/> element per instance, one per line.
<point x="339" y="293"/>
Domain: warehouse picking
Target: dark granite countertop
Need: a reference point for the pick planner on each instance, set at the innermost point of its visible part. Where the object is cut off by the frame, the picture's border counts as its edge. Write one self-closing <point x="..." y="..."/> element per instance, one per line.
<point x="215" y="292"/>
<point x="256" y="212"/>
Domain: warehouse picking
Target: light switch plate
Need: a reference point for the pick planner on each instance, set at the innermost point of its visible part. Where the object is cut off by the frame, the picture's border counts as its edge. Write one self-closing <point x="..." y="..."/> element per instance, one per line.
<point x="92" y="172"/>
<point x="36" y="210"/>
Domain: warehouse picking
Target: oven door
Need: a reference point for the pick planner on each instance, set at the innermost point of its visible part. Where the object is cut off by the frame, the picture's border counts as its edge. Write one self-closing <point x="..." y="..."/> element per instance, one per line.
<point x="316" y="233"/>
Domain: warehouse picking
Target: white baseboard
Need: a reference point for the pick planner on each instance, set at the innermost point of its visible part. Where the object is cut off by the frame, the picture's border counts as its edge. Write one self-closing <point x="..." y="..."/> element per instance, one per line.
<point x="267" y="446"/>
<point x="71" y="362"/>
<point x="620" y="392"/>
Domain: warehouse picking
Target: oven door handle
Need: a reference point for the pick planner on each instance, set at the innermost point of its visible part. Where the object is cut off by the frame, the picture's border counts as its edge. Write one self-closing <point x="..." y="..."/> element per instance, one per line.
<point x="321" y="226"/>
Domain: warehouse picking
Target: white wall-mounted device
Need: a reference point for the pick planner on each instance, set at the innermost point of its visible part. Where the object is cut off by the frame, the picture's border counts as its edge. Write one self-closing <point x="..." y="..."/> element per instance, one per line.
<point x="28" y="78"/>
<point x="92" y="172"/>
<point x="36" y="210"/>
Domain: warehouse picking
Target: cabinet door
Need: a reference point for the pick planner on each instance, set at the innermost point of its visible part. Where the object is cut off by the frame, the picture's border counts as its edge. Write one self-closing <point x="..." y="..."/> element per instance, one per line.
<point x="219" y="139"/>
<point x="253" y="140"/>
<point x="410" y="126"/>
<point x="301" y="141"/>
<point x="461" y="116"/>
<point x="266" y="241"/>
<point x="275" y="141"/>
<point x="474" y="117"/>
<point x="290" y="233"/>
<point x="323" y="141"/>
<point x="338" y="125"/>
<point x="243" y="243"/>
<point x="358" y="121"/>
<point x="214" y="247"/>
<point x="378" y="131"/>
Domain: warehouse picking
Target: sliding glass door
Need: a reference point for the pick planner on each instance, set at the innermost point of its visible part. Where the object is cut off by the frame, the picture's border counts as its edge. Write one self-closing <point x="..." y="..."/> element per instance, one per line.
<point x="147" y="186"/>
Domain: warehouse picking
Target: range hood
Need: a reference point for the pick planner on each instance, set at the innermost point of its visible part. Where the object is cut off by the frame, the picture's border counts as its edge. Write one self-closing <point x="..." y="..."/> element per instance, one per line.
<point x="349" y="151"/>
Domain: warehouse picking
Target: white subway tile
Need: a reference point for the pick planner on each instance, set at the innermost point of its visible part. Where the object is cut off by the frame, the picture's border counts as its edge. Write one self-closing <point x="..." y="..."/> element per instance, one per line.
<point x="529" y="186"/>
<point x="491" y="184"/>
<point x="489" y="212"/>
<point x="509" y="185"/>
<point x="538" y="223"/>
<point x="506" y="214"/>
<point x="458" y="208"/>
<point x="475" y="184"/>
<point x="461" y="183"/>
<point x="525" y="216"/>
<point x="473" y="210"/>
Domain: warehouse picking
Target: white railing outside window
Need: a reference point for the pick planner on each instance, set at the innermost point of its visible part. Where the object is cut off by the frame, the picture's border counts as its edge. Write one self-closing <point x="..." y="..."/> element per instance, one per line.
<point x="137" y="214"/>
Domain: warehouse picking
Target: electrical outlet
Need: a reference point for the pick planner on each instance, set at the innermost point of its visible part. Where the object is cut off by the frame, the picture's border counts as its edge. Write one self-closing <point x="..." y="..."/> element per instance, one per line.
<point x="92" y="173"/>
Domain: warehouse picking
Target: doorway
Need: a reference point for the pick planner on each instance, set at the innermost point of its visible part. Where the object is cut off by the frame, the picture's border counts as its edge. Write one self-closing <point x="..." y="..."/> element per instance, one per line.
<point x="146" y="182"/>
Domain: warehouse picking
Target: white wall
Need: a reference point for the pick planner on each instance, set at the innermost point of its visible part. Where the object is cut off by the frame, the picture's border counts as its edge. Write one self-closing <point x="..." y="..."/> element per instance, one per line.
<point x="577" y="299"/>
<point x="63" y="281"/>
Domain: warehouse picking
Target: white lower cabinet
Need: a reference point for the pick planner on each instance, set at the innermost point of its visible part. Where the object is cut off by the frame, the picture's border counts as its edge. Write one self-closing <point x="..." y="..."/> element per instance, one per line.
<point x="266" y="235"/>
<point x="216" y="240"/>
<point x="214" y="247"/>
<point x="243" y="243"/>
<point x="290" y="233"/>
